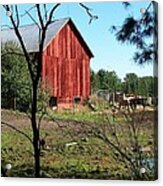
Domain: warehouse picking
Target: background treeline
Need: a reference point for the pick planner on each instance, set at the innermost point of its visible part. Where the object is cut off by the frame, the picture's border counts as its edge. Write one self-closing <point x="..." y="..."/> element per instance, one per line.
<point x="131" y="84"/>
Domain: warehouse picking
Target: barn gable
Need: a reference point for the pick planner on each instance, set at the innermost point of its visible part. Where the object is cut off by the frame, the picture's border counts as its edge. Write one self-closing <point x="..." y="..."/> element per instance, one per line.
<point x="68" y="42"/>
<point x="30" y="35"/>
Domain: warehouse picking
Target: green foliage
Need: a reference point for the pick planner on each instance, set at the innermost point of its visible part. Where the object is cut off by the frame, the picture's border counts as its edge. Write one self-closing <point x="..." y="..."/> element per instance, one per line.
<point x="43" y="98"/>
<point x="131" y="80"/>
<point x="146" y="86"/>
<point x="139" y="85"/>
<point x="105" y="80"/>
<point x="16" y="84"/>
<point x="95" y="83"/>
<point x="132" y="84"/>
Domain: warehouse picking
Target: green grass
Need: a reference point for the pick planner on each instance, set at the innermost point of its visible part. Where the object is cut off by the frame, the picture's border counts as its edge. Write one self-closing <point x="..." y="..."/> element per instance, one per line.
<point x="85" y="116"/>
<point x="89" y="158"/>
<point x="79" y="116"/>
<point x="85" y="160"/>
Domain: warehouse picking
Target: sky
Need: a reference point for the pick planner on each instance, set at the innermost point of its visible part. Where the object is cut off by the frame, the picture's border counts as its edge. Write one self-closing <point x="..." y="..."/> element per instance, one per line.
<point x="109" y="54"/>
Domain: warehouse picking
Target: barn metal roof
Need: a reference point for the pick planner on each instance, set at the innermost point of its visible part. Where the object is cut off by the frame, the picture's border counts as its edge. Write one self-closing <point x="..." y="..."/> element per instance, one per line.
<point x="30" y="35"/>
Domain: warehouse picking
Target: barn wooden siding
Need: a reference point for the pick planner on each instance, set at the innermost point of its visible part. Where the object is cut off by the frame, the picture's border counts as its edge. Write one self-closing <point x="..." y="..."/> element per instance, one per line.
<point x="66" y="65"/>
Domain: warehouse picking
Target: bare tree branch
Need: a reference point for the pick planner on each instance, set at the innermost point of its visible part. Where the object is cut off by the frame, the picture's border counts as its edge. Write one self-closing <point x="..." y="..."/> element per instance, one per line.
<point x="17" y="15"/>
<point x="17" y="130"/>
<point x="42" y="36"/>
<point x="46" y="12"/>
<point x="40" y="119"/>
<point x="88" y="11"/>
<point x="40" y="16"/>
<point x="33" y="19"/>
<point x="119" y="150"/>
<point x="51" y="14"/>
<point x="6" y="26"/>
<point x="28" y="11"/>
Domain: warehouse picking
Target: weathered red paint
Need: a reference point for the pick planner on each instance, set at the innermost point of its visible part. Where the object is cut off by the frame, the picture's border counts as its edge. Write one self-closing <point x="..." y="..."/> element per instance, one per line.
<point x="66" y="65"/>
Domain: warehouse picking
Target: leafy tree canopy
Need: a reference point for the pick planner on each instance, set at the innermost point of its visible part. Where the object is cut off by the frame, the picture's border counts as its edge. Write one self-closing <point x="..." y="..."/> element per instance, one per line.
<point x="15" y="77"/>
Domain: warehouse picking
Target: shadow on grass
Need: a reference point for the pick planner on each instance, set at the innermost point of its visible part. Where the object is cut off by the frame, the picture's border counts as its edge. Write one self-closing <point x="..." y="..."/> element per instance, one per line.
<point x="62" y="173"/>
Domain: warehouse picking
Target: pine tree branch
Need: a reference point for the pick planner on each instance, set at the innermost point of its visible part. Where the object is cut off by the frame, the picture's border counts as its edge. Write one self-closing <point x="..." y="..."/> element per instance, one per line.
<point x="12" y="53"/>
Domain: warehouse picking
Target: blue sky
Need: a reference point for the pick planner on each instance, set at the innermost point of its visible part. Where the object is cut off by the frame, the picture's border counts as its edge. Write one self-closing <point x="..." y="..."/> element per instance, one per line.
<point x="109" y="54"/>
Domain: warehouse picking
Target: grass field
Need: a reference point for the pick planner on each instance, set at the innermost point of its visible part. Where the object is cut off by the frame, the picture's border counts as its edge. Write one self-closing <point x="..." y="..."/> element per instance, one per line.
<point x="71" y="152"/>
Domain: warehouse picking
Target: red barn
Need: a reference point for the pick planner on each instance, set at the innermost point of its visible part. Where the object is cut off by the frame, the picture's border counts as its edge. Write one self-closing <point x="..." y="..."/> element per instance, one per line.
<point x="66" y="59"/>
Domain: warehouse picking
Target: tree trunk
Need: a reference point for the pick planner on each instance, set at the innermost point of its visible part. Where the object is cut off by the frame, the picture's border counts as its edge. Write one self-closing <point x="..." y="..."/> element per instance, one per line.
<point x="36" y="155"/>
<point x="36" y="135"/>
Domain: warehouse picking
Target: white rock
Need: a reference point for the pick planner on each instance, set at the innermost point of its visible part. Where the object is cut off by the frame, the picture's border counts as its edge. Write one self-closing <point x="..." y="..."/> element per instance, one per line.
<point x="71" y="144"/>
